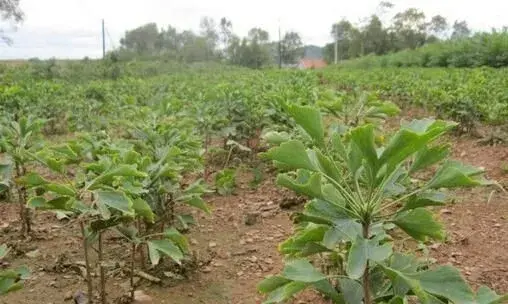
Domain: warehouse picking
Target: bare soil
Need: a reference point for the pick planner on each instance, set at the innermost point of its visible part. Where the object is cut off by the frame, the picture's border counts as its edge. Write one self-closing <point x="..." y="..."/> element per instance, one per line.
<point x="234" y="255"/>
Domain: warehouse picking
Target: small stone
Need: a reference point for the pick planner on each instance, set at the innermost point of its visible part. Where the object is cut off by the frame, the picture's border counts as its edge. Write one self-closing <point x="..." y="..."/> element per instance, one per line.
<point x="68" y="296"/>
<point x="207" y="269"/>
<point x="251" y="218"/>
<point x="446" y="211"/>
<point x="212" y="244"/>
<point x="242" y="242"/>
<point x="33" y="254"/>
<point x="239" y="273"/>
<point x="456" y="254"/>
<point x="141" y="298"/>
<point x="497" y="225"/>
<point x="52" y="284"/>
<point x="250" y="240"/>
<point x="253" y="259"/>
<point x="268" y="261"/>
<point x="435" y="246"/>
<point x="193" y="241"/>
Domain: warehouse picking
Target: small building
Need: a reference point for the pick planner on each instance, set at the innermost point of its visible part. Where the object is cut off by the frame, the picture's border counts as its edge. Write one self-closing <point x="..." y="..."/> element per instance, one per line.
<point x="309" y="63"/>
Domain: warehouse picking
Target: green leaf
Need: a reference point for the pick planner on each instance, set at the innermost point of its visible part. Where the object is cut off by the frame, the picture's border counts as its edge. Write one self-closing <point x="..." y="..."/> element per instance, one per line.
<point x="310" y="187"/>
<point x="455" y="174"/>
<point x="363" y="250"/>
<point x="285" y="292"/>
<point x="60" y="189"/>
<point x="427" y="157"/>
<point x="487" y="296"/>
<point x="107" y="177"/>
<point x="32" y="179"/>
<point x="326" y="288"/>
<point x="37" y="202"/>
<point x="177" y="238"/>
<point x="363" y="137"/>
<point x="131" y="157"/>
<point x="59" y="203"/>
<point x="302" y="270"/>
<point x="292" y="154"/>
<point x="276" y="138"/>
<point x="342" y="230"/>
<point x="446" y="281"/>
<point x="142" y="209"/>
<point x="420" y="224"/>
<point x="411" y="138"/>
<point x="166" y="247"/>
<point x="199" y="203"/>
<point x="271" y="283"/>
<point x="116" y="200"/>
<point x="425" y="199"/>
<point x="309" y="118"/>
<point x="351" y="290"/>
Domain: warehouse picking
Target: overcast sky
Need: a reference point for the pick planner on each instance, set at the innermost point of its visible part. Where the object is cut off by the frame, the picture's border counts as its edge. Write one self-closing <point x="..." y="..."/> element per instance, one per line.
<point x="72" y="28"/>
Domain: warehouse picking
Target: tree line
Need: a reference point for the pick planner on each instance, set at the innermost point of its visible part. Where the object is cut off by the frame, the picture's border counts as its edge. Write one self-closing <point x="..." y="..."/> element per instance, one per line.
<point x="215" y="41"/>
<point x="408" y="29"/>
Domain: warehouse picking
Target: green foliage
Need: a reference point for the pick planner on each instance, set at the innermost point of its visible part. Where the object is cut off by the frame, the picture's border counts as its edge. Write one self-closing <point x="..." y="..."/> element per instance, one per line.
<point x="357" y="189"/>
<point x="482" y="49"/>
<point x="225" y="181"/>
<point x="11" y="279"/>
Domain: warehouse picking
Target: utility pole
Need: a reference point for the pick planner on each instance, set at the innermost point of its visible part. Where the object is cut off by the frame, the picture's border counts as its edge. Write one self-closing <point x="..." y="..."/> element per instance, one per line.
<point x="280" y="49"/>
<point x="103" y="40"/>
<point x="336" y="49"/>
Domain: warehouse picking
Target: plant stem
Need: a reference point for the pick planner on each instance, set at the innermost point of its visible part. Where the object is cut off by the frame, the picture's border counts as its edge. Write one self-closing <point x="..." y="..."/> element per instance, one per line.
<point x="101" y="270"/>
<point x="87" y="263"/>
<point x="133" y="261"/>
<point x="24" y="214"/>
<point x="366" y="277"/>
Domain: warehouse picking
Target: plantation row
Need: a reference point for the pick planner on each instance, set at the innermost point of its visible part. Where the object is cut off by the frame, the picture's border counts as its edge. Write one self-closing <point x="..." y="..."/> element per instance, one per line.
<point x="464" y="95"/>
<point x="135" y="164"/>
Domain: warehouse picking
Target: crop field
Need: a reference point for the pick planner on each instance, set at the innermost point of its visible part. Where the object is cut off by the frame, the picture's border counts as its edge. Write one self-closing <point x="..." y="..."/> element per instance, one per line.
<point x="230" y="185"/>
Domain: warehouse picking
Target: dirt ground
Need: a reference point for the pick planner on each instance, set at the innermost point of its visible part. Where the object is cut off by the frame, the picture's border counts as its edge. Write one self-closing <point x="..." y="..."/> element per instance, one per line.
<point x="236" y="256"/>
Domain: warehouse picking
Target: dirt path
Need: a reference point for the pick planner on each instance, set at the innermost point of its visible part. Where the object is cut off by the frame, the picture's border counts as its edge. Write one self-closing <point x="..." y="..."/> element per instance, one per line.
<point x="239" y="255"/>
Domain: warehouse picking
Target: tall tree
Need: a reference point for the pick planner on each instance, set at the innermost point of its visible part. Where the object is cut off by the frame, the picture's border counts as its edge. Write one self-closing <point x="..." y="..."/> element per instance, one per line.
<point x="209" y="32"/>
<point x="11" y="12"/>
<point x="291" y="47"/>
<point x="259" y="35"/>
<point x="410" y="28"/>
<point x="375" y="37"/>
<point x="225" y="33"/>
<point x="438" y="26"/>
<point x="142" y="40"/>
<point x="460" y="30"/>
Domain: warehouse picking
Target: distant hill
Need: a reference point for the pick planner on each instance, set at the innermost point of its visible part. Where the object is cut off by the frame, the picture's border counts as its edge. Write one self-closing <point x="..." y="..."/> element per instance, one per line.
<point x="313" y="52"/>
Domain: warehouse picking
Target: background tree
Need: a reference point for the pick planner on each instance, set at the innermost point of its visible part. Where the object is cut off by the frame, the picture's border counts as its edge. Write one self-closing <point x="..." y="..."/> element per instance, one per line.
<point x="410" y="28"/>
<point x="460" y="30"/>
<point x="11" y="12"/>
<point x="209" y="32"/>
<point x="291" y="47"/>
<point x="142" y="40"/>
<point x="438" y="26"/>
<point x="225" y="34"/>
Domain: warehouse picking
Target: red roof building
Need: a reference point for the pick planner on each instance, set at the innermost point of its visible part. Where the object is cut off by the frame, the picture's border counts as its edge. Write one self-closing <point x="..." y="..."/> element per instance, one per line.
<point x="311" y="63"/>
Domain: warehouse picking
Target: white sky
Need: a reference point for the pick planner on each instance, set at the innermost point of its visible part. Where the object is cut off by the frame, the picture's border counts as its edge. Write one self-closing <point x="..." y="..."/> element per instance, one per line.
<point x="71" y="28"/>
